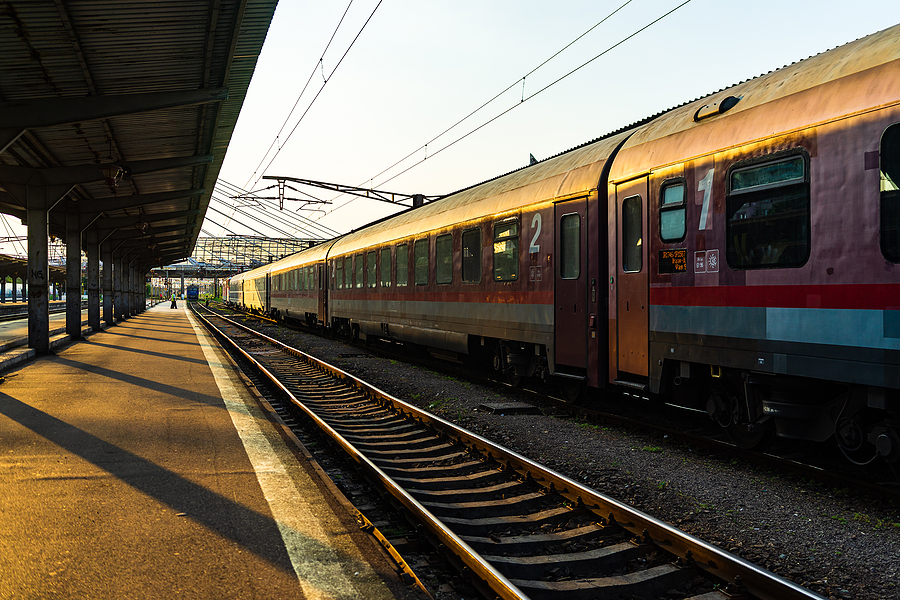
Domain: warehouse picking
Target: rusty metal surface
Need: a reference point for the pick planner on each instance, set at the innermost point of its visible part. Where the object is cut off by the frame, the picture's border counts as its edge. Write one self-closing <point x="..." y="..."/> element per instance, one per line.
<point x="847" y="80"/>
<point x="572" y="173"/>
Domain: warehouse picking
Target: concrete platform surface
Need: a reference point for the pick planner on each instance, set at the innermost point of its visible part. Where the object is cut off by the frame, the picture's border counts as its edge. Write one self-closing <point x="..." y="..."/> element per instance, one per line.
<point x="136" y="464"/>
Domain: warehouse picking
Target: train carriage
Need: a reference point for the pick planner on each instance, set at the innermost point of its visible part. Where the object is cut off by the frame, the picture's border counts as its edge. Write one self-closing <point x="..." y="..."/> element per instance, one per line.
<point x="765" y="270"/>
<point x="738" y="253"/>
<point x="477" y="272"/>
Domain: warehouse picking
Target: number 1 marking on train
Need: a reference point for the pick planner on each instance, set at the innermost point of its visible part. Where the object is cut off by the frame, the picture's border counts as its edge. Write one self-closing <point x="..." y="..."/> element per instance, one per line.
<point x="706" y="187"/>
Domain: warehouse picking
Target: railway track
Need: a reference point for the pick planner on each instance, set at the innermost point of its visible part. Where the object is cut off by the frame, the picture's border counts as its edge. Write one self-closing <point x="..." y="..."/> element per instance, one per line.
<point x="878" y="481"/>
<point x="518" y="529"/>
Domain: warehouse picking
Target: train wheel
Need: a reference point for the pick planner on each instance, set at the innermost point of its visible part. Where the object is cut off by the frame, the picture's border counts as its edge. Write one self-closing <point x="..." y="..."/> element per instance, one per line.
<point x="851" y="437"/>
<point x="573" y="391"/>
<point x="732" y="417"/>
<point x="749" y="439"/>
<point x="502" y="366"/>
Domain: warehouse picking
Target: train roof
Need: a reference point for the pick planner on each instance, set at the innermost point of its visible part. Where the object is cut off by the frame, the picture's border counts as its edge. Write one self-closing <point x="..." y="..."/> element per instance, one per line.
<point x="304" y="257"/>
<point x="849" y="79"/>
<point x="570" y="174"/>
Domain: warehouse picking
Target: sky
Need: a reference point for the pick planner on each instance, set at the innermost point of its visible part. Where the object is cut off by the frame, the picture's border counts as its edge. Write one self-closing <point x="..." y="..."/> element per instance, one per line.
<point x="401" y="72"/>
<point x="418" y="67"/>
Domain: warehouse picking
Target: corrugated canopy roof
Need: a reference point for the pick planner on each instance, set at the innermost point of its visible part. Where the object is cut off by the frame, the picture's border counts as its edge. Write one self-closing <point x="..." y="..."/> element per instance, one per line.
<point x="151" y="87"/>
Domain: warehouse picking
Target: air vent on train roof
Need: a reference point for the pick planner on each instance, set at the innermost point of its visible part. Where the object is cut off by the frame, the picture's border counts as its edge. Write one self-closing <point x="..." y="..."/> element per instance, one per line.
<point x="716" y="108"/>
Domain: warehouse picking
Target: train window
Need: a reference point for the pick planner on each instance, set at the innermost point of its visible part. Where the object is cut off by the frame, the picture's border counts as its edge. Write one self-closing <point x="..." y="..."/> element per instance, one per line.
<point x="348" y="272"/>
<point x="339" y="274"/>
<point x="443" y="259"/>
<point x="402" y="265"/>
<point x="672" y="212"/>
<point x="370" y="269"/>
<point x="632" y="231"/>
<point x="311" y="278"/>
<point x="767" y="214"/>
<point x="359" y="270"/>
<point x="420" y="255"/>
<point x="506" y="251"/>
<point x="890" y="193"/>
<point x="386" y="267"/>
<point x="471" y="256"/>
<point x="570" y="246"/>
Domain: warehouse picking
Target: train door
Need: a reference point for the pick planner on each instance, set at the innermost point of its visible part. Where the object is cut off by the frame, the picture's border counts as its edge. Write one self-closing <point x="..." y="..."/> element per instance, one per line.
<point x="322" y="283"/>
<point x="267" y="300"/>
<point x="632" y="302"/>
<point x="570" y="290"/>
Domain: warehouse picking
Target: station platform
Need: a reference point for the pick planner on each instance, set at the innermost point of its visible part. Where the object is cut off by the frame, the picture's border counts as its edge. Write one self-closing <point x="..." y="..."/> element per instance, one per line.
<point x="137" y="463"/>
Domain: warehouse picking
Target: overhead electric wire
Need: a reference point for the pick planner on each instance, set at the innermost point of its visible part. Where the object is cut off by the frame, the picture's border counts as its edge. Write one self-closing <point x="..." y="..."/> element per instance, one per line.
<point x="522" y="101"/>
<point x="511" y="86"/>
<point x="303" y="221"/>
<point x="327" y="79"/>
<point x="543" y="89"/>
<point x="277" y="215"/>
<point x="232" y="190"/>
<point x="311" y="75"/>
<point x="12" y="237"/>
<point x="255" y="218"/>
<point x="274" y="216"/>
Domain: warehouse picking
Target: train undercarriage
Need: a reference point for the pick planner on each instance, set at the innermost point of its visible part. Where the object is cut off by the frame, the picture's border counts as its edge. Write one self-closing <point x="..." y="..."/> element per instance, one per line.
<point x="754" y="408"/>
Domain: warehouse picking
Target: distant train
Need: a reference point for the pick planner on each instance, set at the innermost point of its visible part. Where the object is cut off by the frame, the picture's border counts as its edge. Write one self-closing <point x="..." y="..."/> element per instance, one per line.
<point x="193" y="292"/>
<point x="737" y="254"/>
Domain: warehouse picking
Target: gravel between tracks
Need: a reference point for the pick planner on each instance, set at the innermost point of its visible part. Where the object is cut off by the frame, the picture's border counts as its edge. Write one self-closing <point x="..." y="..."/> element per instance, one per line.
<point x="834" y="542"/>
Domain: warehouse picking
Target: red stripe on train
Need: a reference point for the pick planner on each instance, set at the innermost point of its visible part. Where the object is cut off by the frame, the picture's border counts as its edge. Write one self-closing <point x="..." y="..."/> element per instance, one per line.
<point x="504" y="297"/>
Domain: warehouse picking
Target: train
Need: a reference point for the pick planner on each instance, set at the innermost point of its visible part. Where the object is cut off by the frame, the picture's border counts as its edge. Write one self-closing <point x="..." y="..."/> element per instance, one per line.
<point x="193" y="292"/>
<point x="737" y="254"/>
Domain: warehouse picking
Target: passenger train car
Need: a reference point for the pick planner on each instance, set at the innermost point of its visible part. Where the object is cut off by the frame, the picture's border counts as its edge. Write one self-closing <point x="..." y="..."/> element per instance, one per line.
<point x="741" y="249"/>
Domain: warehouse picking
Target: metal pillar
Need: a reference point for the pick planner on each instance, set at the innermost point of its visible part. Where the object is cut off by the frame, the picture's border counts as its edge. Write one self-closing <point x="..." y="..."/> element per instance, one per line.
<point x="138" y="305"/>
<point x="108" y="296"/>
<point x="128" y="289"/>
<point x="141" y="290"/>
<point x="38" y="267"/>
<point x="3" y="290"/>
<point x="93" y="279"/>
<point x="73" y="275"/>
<point x="117" y="286"/>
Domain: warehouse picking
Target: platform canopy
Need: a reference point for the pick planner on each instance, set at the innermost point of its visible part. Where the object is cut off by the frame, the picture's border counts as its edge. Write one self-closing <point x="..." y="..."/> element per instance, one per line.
<point x="117" y="115"/>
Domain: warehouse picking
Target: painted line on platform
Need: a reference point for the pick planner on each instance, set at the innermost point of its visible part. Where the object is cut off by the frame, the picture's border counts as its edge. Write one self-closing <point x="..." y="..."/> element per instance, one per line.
<point x="322" y="572"/>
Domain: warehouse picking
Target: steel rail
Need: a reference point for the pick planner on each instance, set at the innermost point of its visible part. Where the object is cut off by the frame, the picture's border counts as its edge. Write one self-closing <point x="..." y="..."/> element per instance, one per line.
<point x="756" y="457"/>
<point x="498" y="583"/>
<point x="722" y="565"/>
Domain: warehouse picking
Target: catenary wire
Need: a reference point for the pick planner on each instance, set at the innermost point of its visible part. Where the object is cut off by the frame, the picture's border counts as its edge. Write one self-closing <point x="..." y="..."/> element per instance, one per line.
<point x="274" y="216"/>
<point x="519" y="103"/>
<point x="237" y="191"/>
<point x="330" y="75"/>
<point x="303" y="91"/>
<point x="512" y="85"/>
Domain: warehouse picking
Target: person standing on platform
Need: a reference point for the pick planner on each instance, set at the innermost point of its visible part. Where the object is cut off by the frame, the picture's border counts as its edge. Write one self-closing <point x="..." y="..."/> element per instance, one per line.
<point x="174" y="305"/>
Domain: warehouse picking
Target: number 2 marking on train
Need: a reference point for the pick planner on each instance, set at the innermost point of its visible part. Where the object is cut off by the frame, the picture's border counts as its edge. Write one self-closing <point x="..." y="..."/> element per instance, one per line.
<point x="705" y="186"/>
<point x="536" y="225"/>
